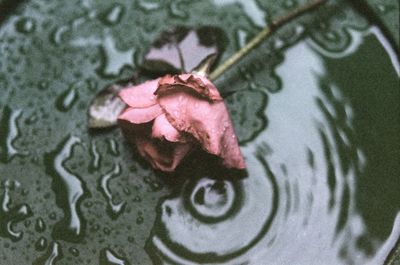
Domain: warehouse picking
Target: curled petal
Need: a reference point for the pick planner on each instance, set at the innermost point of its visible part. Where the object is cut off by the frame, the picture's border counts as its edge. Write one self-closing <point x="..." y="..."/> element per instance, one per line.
<point x="140" y="96"/>
<point x="141" y="115"/>
<point x="190" y="83"/>
<point x="184" y="108"/>
<point x="163" y="129"/>
<point x="165" y="157"/>
<point x="208" y="122"/>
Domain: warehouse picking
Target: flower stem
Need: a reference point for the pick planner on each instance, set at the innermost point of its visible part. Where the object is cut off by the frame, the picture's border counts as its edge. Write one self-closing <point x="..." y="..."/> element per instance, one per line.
<point x="262" y="35"/>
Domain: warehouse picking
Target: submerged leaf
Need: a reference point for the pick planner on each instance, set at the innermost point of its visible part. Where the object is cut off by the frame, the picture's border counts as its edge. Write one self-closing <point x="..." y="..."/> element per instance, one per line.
<point x="106" y="106"/>
<point x="181" y="49"/>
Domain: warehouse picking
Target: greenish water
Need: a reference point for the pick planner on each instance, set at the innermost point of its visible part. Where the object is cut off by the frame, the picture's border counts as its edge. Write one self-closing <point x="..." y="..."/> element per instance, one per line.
<point x="316" y="111"/>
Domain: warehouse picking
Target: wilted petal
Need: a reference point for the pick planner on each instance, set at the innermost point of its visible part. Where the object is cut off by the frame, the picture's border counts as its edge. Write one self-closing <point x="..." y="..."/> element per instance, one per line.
<point x="140" y="96"/>
<point x="141" y="115"/>
<point x="163" y="129"/>
<point x="191" y="83"/>
<point x="186" y="107"/>
<point x="208" y="122"/>
<point x="162" y="155"/>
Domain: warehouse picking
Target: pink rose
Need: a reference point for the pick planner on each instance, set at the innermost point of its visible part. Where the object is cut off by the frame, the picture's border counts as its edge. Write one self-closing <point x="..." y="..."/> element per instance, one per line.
<point x="168" y="117"/>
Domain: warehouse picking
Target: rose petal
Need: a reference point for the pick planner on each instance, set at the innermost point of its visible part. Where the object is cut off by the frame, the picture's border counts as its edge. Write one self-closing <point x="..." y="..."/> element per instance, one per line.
<point x="190" y="82"/>
<point x="208" y="122"/>
<point x="163" y="129"/>
<point x="162" y="157"/>
<point x="140" y="96"/>
<point x="141" y="115"/>
<point x="185" y="104"/>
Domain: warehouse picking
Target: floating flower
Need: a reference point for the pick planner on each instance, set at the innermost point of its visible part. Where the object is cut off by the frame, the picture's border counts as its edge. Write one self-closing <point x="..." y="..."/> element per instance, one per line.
<point x="168" y="117"/>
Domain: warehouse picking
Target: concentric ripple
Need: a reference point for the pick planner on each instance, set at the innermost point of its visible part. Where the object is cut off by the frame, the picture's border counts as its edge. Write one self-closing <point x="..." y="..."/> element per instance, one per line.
<point x="212" y="200"/>
<point x="216" y="219"/>
<point x="297" y="205"/>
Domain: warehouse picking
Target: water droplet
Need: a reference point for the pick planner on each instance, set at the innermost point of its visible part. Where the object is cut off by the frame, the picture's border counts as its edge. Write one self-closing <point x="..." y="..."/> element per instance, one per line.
<point x="139" y="220"/>
<point x="10" y="215"/>
<point x="113" y="147"/>
<point x="27" y="223"/>
<point x="66" y="100"/>
<point x="25" y="25"/>
<point x="332" y="36"/>
<point x="176" y="10"/>
<point x="96" y="158"/>
<point x="43" y="85"/>
<point x="246" y="74"/>
<point x="289" y="4"/>
<point x="40" y="226"/>
<point x="148" y="5"/>
<point x="41" y="244"/>
<point x="126" y="190"/>
<point x="69" y="189"/>
<point x="9" y="134"/>
<point x="56" y="36"/>
<point x="53" y="255"/>
<point x="95" y="228"/>
<point x="109" y="257"/>
<point x="114" y="209"/>
<point x="106" y="230"/>
<point x="74" y="251"/>
<point x="153" y="184"/>
<point x="382" y="8"/>
<point x="88" y="204"/>
<point x="137" y="199"/>
<point x="53" y="216"/>
<point x="113" y="15"/>
<point x="241" y="37"/>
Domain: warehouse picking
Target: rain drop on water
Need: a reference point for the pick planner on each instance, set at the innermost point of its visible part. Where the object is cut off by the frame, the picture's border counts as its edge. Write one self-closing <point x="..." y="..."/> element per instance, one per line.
<point x="66" y="100"/>
<point x="25" y="25"/>
<point x="113" y="15"/>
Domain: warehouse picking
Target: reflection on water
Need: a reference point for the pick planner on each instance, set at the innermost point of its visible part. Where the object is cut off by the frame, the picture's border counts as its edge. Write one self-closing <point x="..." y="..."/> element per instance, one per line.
<point x="300" y="203"/>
